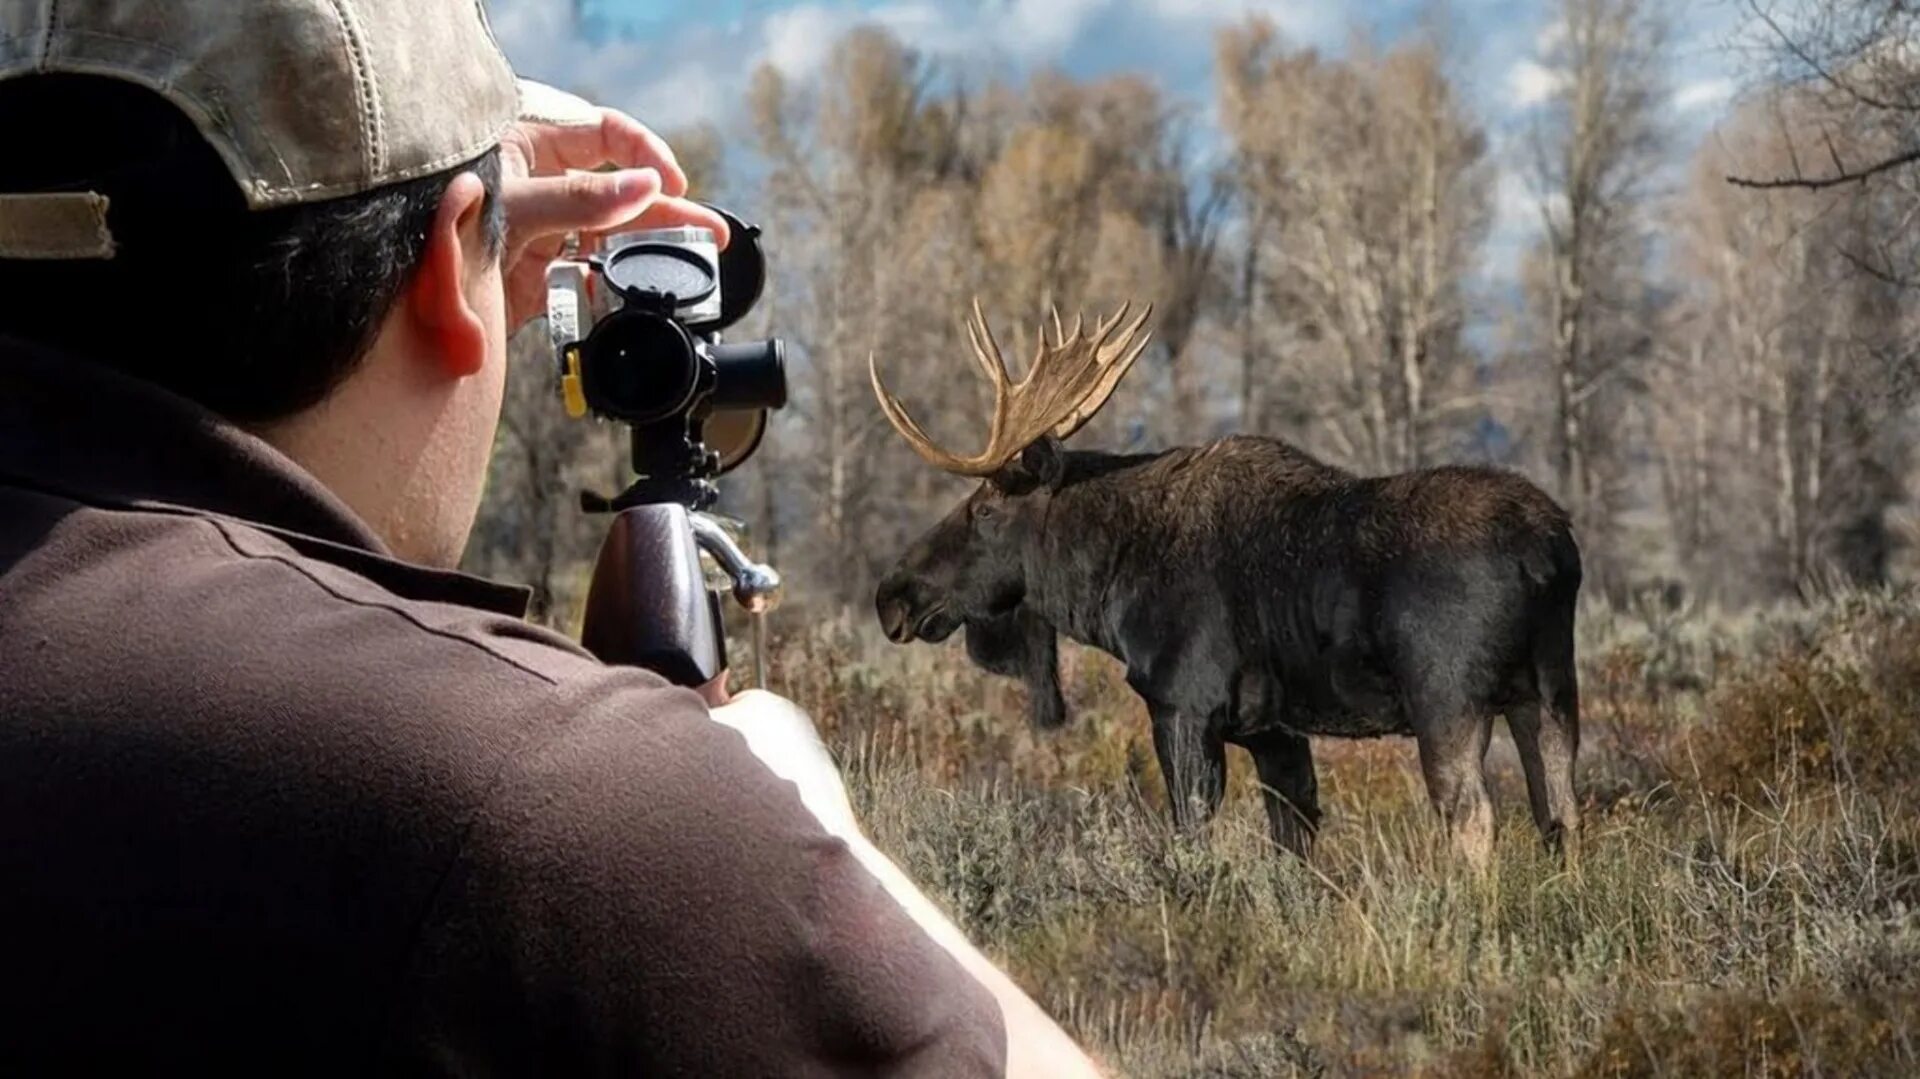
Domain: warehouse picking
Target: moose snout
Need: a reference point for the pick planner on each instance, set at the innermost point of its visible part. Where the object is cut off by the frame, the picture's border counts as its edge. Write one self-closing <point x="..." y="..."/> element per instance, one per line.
<point x="894" y="604"/>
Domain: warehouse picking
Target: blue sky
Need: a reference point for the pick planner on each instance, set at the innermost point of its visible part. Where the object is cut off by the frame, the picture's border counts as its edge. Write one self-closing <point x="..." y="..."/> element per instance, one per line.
<point x="675" y="62"/>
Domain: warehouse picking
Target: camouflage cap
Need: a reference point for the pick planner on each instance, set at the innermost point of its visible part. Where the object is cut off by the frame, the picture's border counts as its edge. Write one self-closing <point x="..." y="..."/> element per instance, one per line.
<point x="305" y="100"/>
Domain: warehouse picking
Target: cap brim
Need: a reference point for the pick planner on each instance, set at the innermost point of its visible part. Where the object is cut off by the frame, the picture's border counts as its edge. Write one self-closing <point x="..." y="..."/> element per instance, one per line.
<point x="73" y="225"/>
<point x="542" y="104"/>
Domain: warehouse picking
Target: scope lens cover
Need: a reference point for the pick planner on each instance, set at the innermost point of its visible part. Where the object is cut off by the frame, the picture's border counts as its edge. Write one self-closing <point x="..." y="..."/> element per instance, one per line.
<point x="743" y="272"/>
<point x="662" y="270"/>
<point x="734" y="436"/>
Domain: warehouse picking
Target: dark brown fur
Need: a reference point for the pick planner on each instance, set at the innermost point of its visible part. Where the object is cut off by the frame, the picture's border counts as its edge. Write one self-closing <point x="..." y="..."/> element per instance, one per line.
<point x="1258" y="596"/>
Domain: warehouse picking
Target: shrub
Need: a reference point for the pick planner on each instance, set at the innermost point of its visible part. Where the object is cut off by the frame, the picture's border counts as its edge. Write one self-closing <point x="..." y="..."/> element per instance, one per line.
<point x="1746" y="900"/>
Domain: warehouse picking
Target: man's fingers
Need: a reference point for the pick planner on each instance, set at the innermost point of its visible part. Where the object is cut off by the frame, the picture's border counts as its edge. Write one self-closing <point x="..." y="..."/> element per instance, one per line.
<point x="666" y="213"/>
<point x="619" y="140"/>
<point x="587" y="201"/>
<point x="597" y="203"/>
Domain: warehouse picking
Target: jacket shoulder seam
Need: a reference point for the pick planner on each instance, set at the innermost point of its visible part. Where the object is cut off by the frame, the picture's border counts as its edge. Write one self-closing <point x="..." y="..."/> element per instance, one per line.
<point x="411" y="618"/>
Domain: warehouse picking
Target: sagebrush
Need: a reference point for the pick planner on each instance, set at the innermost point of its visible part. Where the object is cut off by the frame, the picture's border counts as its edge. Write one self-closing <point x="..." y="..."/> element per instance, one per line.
<point x="1742" y="900"/>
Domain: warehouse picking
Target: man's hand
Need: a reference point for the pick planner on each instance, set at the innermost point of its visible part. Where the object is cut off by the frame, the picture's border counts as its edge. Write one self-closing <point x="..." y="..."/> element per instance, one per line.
<point x="549" y="191"/>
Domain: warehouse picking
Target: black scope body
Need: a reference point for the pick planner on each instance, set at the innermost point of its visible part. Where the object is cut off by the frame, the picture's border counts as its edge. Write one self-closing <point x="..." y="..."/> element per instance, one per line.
<point x="640" y="366"/>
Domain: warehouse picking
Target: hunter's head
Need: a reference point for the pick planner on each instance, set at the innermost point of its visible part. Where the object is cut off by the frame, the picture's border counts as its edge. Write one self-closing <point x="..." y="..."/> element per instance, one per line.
<point x="971" y="567"/>
<point x="328" y="254"/>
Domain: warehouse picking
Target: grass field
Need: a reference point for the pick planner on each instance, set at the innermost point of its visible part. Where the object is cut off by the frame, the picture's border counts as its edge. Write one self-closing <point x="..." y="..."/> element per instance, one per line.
<point x="1745" y="899"/>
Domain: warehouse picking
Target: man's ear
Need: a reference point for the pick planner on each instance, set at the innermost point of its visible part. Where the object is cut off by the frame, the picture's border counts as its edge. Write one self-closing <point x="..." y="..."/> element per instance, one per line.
<point x="442" y="296"/>
<point x="1045" y="461"/>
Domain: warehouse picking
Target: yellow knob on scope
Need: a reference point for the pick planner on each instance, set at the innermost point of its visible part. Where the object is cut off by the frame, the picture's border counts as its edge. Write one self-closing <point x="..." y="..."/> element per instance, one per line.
<point x="571" y="388"/>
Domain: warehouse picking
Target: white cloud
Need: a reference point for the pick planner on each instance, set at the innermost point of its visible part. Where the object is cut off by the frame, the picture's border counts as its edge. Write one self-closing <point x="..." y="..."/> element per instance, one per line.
<point x="1703" y="93"/>
<point x="538" y="37"/>
<point x="1319" y="21"/>
<point x="1530" y="84"/>
<point x="667" y="81"/>
<point x="1045" y="24"/>
<point x="799" y="39"/>
<point x="688" y="93"/>
<point x="1517" y="222"/>
<point x="921" y="23"/>
<point x="670" y="76"/>
<point x="1515" y="206"/>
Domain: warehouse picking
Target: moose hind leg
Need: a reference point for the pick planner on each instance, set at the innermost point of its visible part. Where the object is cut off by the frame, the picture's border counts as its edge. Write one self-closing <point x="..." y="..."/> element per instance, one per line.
<point x="1289" y="788"/>
<point x="1548" y="738"/>
<point x="1193" y="761"/>
<point x="1453" y="751"/>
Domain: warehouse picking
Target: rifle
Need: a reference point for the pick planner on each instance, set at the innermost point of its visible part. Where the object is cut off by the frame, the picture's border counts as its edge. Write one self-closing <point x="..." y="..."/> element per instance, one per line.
<point x="636" y="330"/>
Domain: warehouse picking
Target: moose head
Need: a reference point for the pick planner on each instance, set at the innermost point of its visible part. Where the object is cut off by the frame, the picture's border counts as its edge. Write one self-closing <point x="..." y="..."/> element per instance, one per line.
<point x="971" y="569"/>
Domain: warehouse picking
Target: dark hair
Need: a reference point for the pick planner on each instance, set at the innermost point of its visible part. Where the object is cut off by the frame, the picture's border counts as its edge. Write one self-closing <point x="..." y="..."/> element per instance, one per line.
<point x="256" y="315"/>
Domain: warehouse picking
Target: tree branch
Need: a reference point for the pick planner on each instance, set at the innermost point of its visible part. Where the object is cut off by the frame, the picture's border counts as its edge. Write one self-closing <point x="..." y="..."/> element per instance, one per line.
<point x="1818" y="183"/>
<point x="1825" y="74"/>
<point x="1888" y="277"/>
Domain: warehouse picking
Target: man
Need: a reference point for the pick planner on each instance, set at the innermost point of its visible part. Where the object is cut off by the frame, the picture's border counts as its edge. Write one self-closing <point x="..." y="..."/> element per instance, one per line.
<point x="280" y="791"/>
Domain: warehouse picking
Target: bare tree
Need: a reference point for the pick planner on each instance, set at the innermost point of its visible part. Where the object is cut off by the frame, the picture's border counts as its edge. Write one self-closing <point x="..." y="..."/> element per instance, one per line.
<point x="1781" y="437"/>
<point x="1366" y="191"/>
<point x="1094" y="200"/>
<point x="1850" y="68"/>
<point x="1596" y="145"/>
<point x="848" y="157"/>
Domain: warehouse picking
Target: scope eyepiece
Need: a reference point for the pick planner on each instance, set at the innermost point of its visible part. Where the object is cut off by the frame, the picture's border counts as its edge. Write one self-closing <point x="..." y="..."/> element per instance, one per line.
<point x="751" y="375"/>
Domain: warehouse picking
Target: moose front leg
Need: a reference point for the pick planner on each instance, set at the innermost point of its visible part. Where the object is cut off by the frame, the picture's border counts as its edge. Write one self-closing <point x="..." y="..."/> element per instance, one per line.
<point x="1284" y="762"/>
<point x="1193" y="760"/>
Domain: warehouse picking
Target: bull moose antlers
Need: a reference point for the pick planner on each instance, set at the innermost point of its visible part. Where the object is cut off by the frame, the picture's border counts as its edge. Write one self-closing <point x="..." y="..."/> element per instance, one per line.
<point x="1070" y="379"/>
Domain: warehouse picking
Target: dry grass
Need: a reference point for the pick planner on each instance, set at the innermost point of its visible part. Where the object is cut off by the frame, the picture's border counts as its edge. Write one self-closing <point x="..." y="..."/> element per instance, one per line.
<point x="1745" y="900"/>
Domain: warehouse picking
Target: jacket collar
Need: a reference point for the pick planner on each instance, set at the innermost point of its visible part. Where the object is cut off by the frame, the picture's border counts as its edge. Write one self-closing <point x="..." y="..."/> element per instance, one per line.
<point x="74" y="428"/>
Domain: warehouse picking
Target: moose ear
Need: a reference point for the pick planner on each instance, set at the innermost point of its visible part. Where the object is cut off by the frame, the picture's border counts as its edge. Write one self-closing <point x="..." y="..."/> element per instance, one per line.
<point x="1046" y="461"/>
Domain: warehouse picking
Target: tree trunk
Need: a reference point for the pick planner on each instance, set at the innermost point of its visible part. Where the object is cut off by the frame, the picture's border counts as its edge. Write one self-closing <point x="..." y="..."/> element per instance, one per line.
<point x="1249" y="325"/>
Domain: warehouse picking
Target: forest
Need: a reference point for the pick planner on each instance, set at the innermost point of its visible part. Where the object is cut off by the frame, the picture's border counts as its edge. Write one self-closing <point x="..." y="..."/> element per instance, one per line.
<point x="1705" y="350"/>
<point x="1708" y="364"/>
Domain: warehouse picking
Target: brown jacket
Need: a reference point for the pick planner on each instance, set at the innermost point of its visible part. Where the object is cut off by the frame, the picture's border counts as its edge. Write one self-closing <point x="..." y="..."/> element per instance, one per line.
<point x="273" y="800"/>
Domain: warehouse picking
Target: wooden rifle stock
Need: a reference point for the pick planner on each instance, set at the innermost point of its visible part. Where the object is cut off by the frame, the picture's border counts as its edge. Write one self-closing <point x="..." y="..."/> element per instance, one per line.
<point x="649" y="605"/>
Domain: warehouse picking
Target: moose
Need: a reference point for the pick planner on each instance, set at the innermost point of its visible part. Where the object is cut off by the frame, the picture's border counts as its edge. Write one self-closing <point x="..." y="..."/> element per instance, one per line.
<point x="1255" y="595"/>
